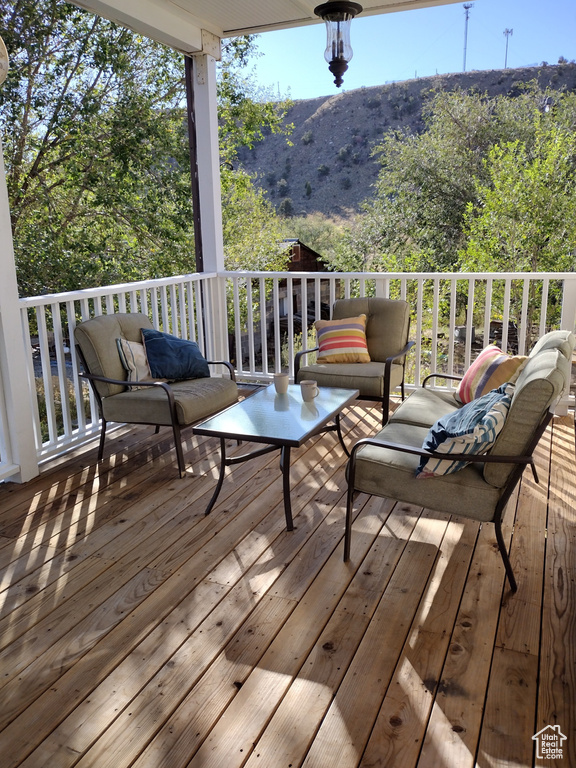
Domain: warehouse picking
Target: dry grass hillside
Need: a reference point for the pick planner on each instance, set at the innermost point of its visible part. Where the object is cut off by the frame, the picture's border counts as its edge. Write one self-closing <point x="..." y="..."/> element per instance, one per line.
<point x="328" y="166"/>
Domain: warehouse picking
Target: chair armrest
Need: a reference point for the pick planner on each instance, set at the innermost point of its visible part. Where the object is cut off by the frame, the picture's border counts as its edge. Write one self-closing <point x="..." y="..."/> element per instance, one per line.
<point x="486" y="458"/>
<point x="483" y="458"/>
<point x="441" y="376"/>
<point x="123" y="382"/>
<point x="402" y="352"/>
<point x="226" y="364"/>
<point x="298" y="358"/>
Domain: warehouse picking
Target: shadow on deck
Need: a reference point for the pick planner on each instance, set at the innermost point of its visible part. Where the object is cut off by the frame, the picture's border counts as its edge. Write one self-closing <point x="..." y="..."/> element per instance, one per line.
<point x="137" y="632"/>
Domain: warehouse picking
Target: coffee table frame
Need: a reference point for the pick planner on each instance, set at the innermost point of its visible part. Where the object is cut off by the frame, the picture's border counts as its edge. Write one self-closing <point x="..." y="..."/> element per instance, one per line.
<point x="256" y="420"/>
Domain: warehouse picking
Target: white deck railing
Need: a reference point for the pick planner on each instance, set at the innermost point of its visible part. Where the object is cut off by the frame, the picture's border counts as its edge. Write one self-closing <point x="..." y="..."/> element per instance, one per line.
<point x="453" y="315"/>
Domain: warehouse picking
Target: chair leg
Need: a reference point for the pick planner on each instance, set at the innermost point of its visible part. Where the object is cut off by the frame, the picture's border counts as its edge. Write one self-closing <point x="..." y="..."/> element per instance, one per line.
<point x="350" y="472"/>
<point x="178" y="446"/>
<point x="504" y="555"/>
<point x="102" y="440"/>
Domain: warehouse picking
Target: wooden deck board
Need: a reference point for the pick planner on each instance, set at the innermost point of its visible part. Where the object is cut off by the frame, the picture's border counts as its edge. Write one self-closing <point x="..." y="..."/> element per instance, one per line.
<point x="135" y="631"/>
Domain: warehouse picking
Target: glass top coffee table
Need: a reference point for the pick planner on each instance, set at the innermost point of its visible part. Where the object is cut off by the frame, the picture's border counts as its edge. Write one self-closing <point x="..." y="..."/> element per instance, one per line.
<point x="281" y="421"/>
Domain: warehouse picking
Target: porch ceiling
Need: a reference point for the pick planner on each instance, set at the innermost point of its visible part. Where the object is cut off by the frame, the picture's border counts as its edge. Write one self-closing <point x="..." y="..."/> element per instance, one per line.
<point x="178" y="23"/>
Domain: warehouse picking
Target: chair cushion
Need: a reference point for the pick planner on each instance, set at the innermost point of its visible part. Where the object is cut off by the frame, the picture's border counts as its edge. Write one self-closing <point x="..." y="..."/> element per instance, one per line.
<point x="540" y="383"/>
<point x="97" y="340"/>
<point x="424" y="406"/>
<point x="562" y="340"/>
<point x="385" y="472"/>
<point x="367" y="378"/>
<point x="472" y="429"/>
<point x="195" y="399"/>
<point x="342" y="341"/>
<point x="489" y="370"/>
<point x="387" y="324"/>
<point x="172" y="358"/>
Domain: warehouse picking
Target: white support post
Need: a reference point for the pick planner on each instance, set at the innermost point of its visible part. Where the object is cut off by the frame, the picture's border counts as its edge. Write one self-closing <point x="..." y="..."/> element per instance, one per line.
<point x="19" y="442"/>
<point x="568" y="319"/>
<point x="208" y="164"/>
<point x="567" y="323"/>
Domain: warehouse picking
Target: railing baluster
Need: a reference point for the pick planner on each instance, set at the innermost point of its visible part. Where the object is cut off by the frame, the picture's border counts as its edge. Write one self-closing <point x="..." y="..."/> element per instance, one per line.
<point x="290" y="324"/>
<point x="276" y="323"/>
<point x="176" y="305"/>
<point x="237" y="324"/>
<point x="435" y="313"/>
<point x="417" y="372"/>
<point x="523" y="326"/>
<point x="544" y="306"/>
<point x="263" y="328"/>
<point x="506" y="314"/>
<point x="487" y="311"/>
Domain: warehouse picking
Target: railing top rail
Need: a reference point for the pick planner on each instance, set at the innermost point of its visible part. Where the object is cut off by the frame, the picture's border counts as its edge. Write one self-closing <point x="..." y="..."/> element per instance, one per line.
<point x="107" y="290"/>
<point x="88" y="293"/>
<point x="407" y="275"/>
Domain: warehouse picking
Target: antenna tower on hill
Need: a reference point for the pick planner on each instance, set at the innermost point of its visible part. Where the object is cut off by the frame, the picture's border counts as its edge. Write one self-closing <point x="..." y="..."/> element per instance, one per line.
<point x="467" y="7"/>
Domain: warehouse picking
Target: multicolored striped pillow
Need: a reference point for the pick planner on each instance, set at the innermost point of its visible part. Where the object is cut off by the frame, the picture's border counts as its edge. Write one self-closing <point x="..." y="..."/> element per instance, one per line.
<point x="491" y="368"/>
<point x="342" y="341"/>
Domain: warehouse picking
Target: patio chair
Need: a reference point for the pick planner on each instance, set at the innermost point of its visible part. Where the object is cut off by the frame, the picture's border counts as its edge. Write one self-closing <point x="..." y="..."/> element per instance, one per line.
<point x="126" y="394"/>
<point x="477" y="480"/>
<point x="387" y="328"/>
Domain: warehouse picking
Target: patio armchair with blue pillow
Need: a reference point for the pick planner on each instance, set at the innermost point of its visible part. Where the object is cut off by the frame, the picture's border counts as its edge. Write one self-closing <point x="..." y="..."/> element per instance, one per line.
<point x="143" y="376"/>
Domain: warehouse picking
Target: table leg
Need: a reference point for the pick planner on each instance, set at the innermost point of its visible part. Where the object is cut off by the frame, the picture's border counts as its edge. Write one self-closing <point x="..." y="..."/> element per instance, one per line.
<point x="220" y="478"/>
<point x="285" y="467"/>
<point x="339" y="433"/>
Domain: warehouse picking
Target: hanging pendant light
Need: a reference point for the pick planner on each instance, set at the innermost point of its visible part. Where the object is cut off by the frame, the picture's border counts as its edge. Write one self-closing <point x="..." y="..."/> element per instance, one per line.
<point x="338" y="15"/>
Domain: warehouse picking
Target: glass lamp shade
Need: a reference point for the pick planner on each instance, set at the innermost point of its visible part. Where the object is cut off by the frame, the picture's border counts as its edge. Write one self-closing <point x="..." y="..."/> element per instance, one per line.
<point x="338" y="16"/>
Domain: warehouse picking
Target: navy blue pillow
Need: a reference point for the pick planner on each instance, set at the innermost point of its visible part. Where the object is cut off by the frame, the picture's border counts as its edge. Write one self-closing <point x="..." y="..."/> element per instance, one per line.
<point x="172" y="358"/>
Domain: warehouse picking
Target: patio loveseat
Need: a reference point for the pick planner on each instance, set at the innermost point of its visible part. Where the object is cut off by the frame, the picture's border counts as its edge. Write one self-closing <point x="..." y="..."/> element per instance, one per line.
<point x="395" y="464"/>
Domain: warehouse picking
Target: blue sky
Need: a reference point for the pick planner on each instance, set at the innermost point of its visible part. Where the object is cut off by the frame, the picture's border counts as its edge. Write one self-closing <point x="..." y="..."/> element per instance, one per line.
<point x="418" y="43"/>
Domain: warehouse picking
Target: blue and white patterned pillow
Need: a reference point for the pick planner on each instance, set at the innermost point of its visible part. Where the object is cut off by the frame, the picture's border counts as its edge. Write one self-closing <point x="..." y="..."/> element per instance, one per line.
<point x="472" y="429"/>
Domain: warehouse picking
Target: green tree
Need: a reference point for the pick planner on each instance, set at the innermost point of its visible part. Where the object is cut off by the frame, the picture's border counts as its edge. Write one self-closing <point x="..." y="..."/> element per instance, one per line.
<point x="525" y="217"/>
<point x="94" y="132"/>
<point x="253" y="233"/>
<point x="317" y="231"/>
<point x="428" y="181"/>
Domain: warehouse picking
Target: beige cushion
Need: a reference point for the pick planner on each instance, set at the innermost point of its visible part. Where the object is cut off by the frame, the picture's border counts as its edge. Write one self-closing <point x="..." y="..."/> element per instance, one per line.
<point x="133" y="357"/>
<point x="97" y="340"/>
<point x="195" y="400"/>
<point x="562" y="340"/>
<point x="387" y="323"/>
<point x="425" y="406"/>
<point x="384" y="472"/>
<point x="367" y="378"/>
<point x="539" y="385"/>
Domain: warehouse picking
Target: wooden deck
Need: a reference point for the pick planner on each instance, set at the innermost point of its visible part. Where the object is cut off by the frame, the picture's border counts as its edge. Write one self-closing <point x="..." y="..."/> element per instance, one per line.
<point x="137" y="632"/>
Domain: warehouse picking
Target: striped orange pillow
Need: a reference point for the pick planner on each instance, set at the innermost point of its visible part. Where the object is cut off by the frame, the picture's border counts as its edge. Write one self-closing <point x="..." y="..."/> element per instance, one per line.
<point x="342" y="341"/>
<point x="491" y="369"/>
